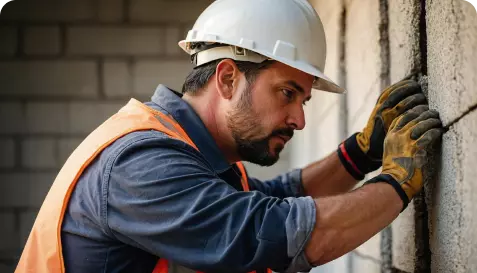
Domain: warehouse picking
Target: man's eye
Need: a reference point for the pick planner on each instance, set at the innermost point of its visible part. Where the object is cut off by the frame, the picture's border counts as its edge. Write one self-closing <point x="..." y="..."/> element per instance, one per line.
<point x="288" y="93"/>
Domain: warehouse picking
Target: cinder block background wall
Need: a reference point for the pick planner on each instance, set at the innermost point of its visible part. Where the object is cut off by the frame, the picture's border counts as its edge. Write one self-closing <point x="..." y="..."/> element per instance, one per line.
<point x="65" y="66"/>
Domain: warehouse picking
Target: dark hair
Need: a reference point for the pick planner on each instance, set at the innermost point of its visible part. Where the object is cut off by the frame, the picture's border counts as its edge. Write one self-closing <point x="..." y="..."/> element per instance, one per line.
<point x="200" y="76"/>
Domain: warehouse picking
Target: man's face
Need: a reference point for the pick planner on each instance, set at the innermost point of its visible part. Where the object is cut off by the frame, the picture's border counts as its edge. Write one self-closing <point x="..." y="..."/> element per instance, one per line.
<point x="268" y="111"/>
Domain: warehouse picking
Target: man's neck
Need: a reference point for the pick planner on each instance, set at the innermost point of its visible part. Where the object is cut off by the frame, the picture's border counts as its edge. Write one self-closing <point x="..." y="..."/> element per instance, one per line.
<point x="206" y="107"/>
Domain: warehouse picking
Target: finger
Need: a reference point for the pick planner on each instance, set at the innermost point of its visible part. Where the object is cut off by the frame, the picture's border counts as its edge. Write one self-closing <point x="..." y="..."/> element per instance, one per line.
<point x="427" y="115"/>
<point x="395" y="122"/>
<point x="390" y="89"/>
<point x="430" y="137"/>
<point x="411" y="115"/>
<point x="424" y="126"/>
<point x="410" y="102"/>
<point x="400" y="93"/>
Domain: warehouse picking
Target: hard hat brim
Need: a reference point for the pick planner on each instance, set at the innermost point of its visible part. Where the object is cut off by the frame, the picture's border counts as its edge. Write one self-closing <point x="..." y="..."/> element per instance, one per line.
<point x="322" y="82"/>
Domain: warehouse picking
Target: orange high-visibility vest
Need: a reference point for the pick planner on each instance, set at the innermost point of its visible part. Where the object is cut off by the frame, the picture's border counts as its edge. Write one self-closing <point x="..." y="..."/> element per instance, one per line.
<point x="43" y="250"/>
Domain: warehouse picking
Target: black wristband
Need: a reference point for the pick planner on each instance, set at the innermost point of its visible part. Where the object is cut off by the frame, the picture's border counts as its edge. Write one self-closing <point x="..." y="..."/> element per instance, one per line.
<point x="386" y="178"/>
<point x="363" y="162"/>
<point x="348" y="163"/>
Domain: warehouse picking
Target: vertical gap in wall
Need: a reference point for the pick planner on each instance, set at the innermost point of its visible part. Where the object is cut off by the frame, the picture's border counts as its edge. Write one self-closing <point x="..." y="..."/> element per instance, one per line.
<point x="126" y="8"/>
<point x="96" y="5"/>
<point x="423" y="36"/>
<point x="17" y="225"/>
<point x="384" y="43"/>
<point x="63" y="40"/>
<point x="343" y="130"/>
<point x="423" y="253"/>
<point x="21" y="41"/>
<point x="386" y="250"/>
<point x="386" y="234"/>
<point x="18" y="139"/>
<point x="343" y="74"/>
<point x="101" y="84"/>
<point x="130" y="70"/>
<point x="56" y="152"/>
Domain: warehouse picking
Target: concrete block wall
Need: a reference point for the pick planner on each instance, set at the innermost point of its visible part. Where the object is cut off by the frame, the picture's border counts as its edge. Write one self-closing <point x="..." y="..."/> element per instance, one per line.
<point x="452" y="70"/>
<point x="384" y="41"/>
<point x="66" y="66"/>
<point x="453" y="237"/>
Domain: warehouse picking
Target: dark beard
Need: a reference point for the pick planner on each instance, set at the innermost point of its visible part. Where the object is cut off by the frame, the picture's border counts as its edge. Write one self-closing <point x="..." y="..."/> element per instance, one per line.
<point x="258" y="151"/>
<point x="244" y="125"/>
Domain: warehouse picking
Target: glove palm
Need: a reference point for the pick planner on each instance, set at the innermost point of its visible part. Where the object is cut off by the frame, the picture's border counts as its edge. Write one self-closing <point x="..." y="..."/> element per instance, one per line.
<point x="406" y="148"/>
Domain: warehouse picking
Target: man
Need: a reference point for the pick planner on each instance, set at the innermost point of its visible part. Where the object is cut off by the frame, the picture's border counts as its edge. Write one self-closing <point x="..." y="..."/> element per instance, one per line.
<point x="160" y="187"/>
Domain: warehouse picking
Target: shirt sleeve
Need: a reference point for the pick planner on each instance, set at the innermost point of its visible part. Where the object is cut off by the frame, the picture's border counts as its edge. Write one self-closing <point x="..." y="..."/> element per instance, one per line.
<point x="165" y="199"/>
<point x="283" y="186"/>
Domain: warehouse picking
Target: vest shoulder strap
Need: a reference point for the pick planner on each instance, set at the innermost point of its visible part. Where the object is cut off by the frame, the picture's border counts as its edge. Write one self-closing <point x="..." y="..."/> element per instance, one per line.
<point x="43" y="251"/>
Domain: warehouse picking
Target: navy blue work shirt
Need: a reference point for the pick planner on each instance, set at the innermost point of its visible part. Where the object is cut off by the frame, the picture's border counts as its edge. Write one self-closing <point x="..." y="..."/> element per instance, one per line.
<point x="148" y="196"/>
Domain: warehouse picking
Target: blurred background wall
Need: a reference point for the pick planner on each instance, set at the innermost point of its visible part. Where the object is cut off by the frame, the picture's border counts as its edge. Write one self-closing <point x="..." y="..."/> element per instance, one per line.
<point x="66" y="66"/>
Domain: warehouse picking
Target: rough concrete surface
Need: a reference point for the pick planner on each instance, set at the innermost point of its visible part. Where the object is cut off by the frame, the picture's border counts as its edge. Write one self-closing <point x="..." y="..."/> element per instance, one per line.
<point x="452" y="57"/>
<point x="404" y="247"/>
<point x="405" y="57"/>
<point x="363" y="61"/>
<point x="453" y="233"/>
<point x="364" y="265"/>
<point x="371" y="248"/>
<point x="403" y="38"/>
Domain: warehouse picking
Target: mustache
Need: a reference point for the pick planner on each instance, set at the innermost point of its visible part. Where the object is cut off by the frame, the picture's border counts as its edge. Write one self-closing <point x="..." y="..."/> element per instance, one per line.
<point x="283" y="132"/>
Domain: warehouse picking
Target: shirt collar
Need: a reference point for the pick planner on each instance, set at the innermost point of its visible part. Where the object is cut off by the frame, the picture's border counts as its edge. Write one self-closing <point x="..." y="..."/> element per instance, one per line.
<point x="172" y="103"/>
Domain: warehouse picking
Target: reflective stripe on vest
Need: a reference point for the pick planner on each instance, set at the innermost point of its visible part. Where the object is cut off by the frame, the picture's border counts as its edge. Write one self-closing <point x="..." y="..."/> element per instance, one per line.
<point x="43" y="250"/>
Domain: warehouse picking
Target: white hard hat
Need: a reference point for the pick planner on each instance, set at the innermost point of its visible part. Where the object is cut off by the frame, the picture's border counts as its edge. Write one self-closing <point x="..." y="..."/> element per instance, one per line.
<point x="288" y="31"/>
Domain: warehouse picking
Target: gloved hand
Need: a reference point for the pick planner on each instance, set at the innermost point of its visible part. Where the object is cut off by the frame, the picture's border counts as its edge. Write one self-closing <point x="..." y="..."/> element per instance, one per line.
<point x="363" y="152"/>
<point x="405" y="150"/>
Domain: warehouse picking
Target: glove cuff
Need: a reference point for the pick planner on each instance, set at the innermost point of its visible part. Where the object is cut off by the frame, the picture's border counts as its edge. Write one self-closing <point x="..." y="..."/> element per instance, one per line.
<point x="386" y="178"/>
<point x="348" y="163"/>
<point x="356" y="162"/>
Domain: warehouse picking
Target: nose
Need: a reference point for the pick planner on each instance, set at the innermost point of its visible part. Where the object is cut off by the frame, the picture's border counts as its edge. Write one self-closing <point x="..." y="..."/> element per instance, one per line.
<point x="296" y="117"/>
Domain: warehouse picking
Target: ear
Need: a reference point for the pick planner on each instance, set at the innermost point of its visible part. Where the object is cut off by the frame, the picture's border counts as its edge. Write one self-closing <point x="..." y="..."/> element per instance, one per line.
<point x="227" y="78"/>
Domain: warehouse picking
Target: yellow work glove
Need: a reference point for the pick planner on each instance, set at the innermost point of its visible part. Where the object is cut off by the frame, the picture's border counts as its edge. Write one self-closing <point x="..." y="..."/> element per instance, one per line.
<point x="406" y="150"/>
<point x="363" y="152"/>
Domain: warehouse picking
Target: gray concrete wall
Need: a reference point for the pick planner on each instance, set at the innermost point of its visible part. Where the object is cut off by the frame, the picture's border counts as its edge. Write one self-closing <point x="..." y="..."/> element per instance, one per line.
<point x="385" y="41"/>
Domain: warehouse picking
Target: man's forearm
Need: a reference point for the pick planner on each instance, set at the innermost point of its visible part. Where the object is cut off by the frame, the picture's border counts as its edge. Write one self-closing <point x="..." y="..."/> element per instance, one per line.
<point x="344" y="222"/>
<point x="327" y="177"/>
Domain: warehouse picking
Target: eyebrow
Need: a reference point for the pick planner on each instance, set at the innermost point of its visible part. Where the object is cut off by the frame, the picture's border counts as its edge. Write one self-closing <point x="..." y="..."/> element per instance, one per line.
<point x="300" y="89"/>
